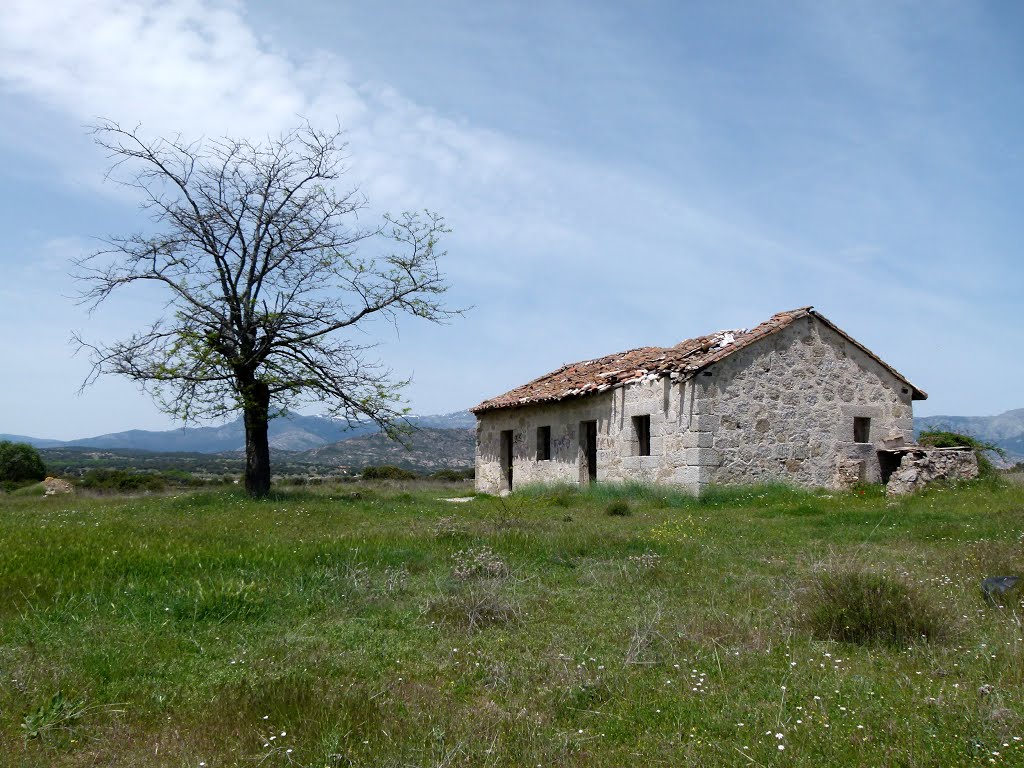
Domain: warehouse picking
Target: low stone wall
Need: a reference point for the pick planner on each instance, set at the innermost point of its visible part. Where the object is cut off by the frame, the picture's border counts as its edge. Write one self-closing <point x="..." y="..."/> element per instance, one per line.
<point x="921" y="466"/>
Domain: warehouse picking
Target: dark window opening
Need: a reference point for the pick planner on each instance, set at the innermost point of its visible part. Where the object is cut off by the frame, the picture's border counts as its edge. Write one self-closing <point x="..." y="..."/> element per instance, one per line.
<point x="543" y="443"/>
<point x="861" y="429"/>
<point x="642" y="430"/>
<point x="506" y="459"/>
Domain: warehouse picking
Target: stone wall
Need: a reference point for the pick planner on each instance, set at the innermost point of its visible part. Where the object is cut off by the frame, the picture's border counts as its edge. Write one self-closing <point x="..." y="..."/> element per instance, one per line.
<point x="563" y="418"/>
<point x="784" y="410"/>
<point x="925" y="465"/>
<point x="781" y="409"/>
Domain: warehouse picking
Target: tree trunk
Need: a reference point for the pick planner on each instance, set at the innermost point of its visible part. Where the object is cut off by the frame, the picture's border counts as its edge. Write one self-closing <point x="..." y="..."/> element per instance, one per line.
<point x="256" y="411"/>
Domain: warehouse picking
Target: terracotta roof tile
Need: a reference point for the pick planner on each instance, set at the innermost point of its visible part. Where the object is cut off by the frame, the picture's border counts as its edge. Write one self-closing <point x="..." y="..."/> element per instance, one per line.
<point x="684" y="360"/>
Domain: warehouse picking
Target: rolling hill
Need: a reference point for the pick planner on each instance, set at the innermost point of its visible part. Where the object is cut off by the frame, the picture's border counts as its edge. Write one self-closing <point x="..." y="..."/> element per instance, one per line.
<point x="427" y="449"/>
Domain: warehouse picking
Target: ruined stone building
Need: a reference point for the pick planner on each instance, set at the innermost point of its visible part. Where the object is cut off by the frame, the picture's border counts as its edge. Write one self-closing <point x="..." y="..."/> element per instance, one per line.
<point x="794" y="400"/>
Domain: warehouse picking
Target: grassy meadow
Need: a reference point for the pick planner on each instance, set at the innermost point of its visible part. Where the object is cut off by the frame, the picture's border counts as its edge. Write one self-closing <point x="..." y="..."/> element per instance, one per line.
<point x="384" y="626"/>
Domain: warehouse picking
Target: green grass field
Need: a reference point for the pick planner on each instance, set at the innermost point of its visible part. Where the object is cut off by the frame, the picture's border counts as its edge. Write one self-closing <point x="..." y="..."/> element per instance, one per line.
<point x="387" y="627"/>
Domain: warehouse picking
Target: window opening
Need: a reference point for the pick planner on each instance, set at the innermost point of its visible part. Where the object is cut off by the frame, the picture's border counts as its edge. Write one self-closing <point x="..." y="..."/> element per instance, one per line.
<point x="861" y="429"/>
<point x="544" y="443"/>
<point x="642" y="433"/>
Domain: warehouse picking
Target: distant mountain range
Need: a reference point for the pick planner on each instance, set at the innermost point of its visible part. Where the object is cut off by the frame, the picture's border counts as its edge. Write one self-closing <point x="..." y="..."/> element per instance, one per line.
<point x="444" y="440"/>
<point x="1005" y="430"/>
<point x="425" y="450"/>
<point x="294" y="432"/>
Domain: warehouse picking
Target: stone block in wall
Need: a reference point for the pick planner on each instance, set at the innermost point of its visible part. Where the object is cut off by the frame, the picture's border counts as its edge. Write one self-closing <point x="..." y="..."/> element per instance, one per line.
<point x="690" y="476"/>
<point x="705" y="423"/>
<point x="706" y="406"/>
<point x="905" y="424"/>
<point x="649" y="464"/>
<point x="723" y="440"/>
<point x="697" y="439"/>
<point x="702" y="457"/>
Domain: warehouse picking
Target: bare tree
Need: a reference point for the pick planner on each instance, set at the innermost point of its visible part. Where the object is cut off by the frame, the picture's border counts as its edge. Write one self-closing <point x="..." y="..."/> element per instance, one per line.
<point x="259" y="254"/>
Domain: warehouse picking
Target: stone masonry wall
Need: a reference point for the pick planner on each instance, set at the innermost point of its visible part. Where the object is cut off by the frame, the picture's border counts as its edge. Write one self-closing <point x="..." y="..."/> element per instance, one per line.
<point x="784" y="409"/>
<point x="563" y="418"/>
<point x="781" y="409"/>
<point x="679" y="438"/>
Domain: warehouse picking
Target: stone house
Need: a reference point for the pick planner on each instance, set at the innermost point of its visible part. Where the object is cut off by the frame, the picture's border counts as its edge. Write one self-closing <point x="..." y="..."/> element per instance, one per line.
<point x="794" y="399"/>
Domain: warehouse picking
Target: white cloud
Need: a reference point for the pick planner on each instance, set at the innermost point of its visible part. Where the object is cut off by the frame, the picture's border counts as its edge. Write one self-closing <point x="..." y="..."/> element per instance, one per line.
<point x="559" y="249"/>
<point x="182" y="65"/>
<point x="195" y="67"/>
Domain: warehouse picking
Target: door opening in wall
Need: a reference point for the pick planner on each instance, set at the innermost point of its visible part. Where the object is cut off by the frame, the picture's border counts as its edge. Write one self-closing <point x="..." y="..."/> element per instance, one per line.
<point x="888" y="462"/>
<point x="588" y="452"/>
<point x="506" y="459"/>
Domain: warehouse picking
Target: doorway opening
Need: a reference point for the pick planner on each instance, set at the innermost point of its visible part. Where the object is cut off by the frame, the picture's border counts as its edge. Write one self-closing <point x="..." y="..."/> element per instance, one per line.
<point x="888" y="462"/>
<point x="506" y="459"/>
<point x="588" y="452"/>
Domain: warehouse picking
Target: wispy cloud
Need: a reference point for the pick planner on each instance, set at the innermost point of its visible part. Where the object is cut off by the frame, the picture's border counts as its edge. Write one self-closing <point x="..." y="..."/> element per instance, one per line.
<point x="681" y="187"/>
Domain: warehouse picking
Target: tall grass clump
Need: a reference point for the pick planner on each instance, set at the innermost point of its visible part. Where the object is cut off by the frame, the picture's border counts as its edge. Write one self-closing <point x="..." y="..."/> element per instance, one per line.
<point x="862" y="607"/>
<point x="603" y="494"/>
<point x="618" y="508"/>
<point x="552" y="494"/>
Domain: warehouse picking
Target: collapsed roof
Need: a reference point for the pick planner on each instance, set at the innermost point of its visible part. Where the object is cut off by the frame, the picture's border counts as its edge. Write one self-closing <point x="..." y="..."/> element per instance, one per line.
<point x="685" y="360"/>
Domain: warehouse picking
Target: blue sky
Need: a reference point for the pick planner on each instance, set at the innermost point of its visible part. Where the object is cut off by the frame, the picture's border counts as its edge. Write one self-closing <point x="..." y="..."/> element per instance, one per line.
<point x="616" y="175"/>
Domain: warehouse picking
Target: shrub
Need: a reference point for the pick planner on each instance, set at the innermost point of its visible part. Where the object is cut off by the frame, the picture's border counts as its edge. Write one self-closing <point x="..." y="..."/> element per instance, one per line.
<point x="121" y="481"/>
<point x="450" y="527"/>
<point x="20" y="463"/>
<point x="478" y="563"/>
<point x="619" y="508"/>
<point x="388" y="472"/>
<point x="454" y="475"/>
<point x="857" y="606"/>
<point x="943" y="439"/>
<point x="477" y="606"/>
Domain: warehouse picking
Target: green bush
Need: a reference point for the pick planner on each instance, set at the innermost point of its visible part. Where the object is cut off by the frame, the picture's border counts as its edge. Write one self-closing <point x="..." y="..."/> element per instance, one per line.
<point x="20" y="463"/>
<point x="120" y="481"/>
<point x="388" y="472"/>
<point x="619" y="508"/>
<point x="183" y="478"/>
<point x="857" y="606"/>
<point x="454" y="475"/>
<point x="942" y="439"/>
